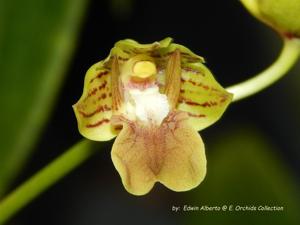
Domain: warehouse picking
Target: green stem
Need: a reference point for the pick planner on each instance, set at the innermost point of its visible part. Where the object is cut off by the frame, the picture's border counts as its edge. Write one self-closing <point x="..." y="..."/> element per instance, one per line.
<point x="288" y="57"/>
<point x="46" y="177"/>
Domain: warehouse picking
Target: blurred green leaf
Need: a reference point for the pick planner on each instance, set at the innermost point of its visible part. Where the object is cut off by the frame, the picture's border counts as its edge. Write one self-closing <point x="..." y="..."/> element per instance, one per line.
<point x="36" y="41"/>
<point x="244" y="169"/>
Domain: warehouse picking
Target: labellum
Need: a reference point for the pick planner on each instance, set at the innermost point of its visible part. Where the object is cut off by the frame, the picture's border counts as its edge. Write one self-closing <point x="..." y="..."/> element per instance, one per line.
<point x="154" y="98"/>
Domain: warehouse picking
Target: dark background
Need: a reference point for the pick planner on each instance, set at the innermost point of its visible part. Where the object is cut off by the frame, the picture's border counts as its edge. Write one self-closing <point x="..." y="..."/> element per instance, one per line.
<point x="235" y="46"/>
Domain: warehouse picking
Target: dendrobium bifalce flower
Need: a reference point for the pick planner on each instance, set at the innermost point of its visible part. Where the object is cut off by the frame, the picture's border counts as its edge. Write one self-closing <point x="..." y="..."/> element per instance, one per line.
<point x="154" y="98"/>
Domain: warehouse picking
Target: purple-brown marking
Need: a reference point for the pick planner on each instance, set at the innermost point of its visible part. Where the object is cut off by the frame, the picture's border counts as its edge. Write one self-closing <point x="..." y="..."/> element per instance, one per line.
<point x="206" y="87"/>
<point x="102" y="85"/>
<point x="99" y="75"/>
<point x="92" y="92"/>
<point x="192" y="103"/>
<point x="98" y="123"/>
<point x="122" y="58"/>
<point x="196" y="115"/>
<point x="99" y="109"/>
<point x="188" y="69"/>
<point x="103" y="96"/>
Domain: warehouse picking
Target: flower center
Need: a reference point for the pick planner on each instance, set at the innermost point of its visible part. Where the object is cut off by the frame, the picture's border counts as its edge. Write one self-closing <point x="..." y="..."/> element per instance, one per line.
<point x="143" y="102"/>
<point x="144" y="69"/>
<point x="148" y="105"/>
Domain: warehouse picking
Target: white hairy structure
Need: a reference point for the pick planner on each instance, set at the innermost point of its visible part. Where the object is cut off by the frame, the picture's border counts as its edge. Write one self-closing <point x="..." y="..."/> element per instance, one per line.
<point x="148" y="105"/>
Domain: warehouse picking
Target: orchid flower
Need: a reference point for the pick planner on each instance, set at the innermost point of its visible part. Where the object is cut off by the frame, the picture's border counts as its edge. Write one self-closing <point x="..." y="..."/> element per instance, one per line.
<point x="154" y="98"/>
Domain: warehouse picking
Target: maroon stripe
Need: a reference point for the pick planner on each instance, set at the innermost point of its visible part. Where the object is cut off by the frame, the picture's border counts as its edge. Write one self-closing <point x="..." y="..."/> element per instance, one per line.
<point x="99" y="109"/>
<point x="122" y="58"/>
<point x="215" y="89"/>
<point x="102" y="85"/>
<point x="188" y="69"/>
<point x="290" y="35"/>
<point x="196" y="115"/>
<point x="224" y="98"/>
<point x="103" y="96"/>
<point x="204" y="104"/>
<point x="205" y="87"/>
<point x="191" y="103"/>
<point x="92" y="92"/>
<point x="103" y="73"/>
<point x="98" y="123"/>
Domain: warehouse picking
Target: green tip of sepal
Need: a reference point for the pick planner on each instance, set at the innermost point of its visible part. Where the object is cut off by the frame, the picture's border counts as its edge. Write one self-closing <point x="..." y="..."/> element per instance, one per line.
<point x="281" y="15"/>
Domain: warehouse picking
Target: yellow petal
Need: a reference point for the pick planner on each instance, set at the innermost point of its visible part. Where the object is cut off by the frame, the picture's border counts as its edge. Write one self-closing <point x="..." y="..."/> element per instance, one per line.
<point x="94" y="109"/>
<point x="172" y="154"/>
<point x="201" y="96"/>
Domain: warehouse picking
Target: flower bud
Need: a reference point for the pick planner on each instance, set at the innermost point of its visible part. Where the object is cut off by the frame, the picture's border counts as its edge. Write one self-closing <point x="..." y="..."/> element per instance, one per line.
<point x="281" y="15"/>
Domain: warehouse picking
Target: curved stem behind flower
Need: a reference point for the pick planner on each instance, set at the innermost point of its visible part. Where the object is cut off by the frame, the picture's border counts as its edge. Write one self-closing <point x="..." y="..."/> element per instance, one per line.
<point x="288" y="57"/>
<point x="46" y="177"/>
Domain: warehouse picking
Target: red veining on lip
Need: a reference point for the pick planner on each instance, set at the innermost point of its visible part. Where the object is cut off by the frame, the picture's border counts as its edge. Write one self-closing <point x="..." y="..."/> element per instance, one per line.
<point x="98" y="123"/>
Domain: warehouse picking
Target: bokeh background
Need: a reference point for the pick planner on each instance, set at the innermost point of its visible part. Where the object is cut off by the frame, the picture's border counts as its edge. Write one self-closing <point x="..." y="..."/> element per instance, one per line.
<point x="253" y="151"/>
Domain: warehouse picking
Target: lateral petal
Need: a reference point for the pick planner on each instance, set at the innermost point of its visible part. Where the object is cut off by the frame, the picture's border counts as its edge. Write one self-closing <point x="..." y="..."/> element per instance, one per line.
<point x="94" y="109"/>
<point x="201" y="96"/>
